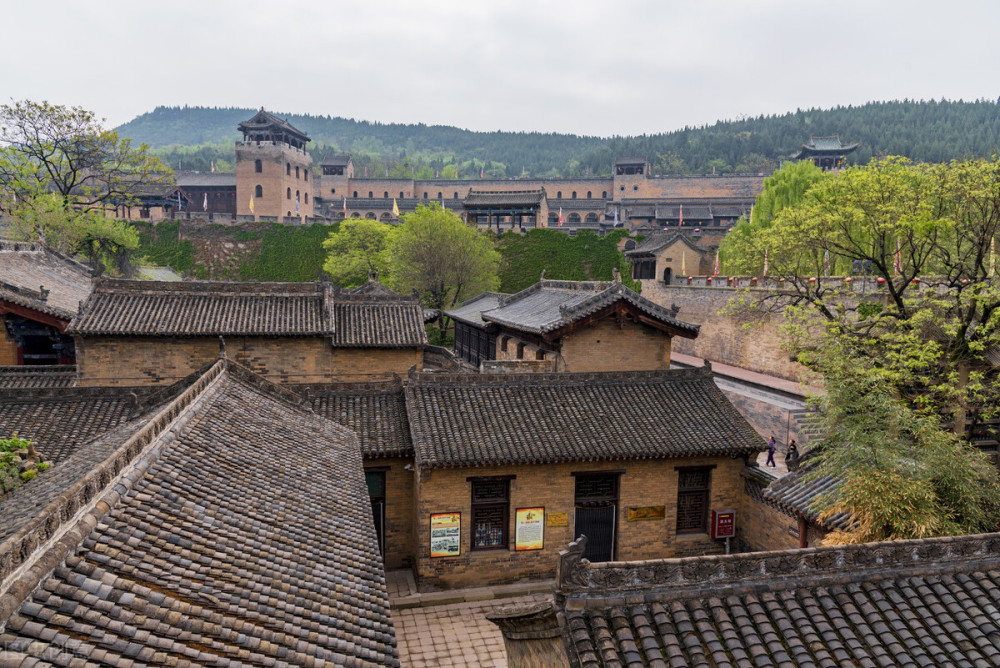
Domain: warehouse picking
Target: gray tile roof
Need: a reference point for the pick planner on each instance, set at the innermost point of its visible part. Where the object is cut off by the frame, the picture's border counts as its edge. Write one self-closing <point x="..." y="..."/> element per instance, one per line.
<point x="188" y="180"/>
<point x="376" y="412"/>
<point x="919" y="602"/>
<point x="62" y="375"/>
<point x="265" y="119"/>
<point x="801" y="492"/>
<point x="200" y="308"/>
<point x="377" y="321"/>
<point x="470" y="312"/>
<point x="39" y="278"/>
<point x="501" y="198"/>
<point x="238" y="531"/>
<point x="548" y="306"/>
<point x="459" y="420"/>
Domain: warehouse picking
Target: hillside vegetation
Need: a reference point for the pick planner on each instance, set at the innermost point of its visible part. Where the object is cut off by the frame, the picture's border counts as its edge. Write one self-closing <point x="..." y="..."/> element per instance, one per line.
<point x="932" y="131"/>
<point x="273" y="252"/>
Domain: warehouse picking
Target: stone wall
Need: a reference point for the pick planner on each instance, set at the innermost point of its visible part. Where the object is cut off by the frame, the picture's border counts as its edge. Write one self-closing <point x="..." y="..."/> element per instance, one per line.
<point x="723" y="338"/>
<point x="643" y="484"/>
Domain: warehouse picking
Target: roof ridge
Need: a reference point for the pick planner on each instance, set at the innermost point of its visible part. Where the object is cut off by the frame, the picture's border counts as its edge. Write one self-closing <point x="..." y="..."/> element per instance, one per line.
<point x="733" y="574"/>
<point x="559" y="377"/>
<point x="264" y="288"/>
<point x="29" y="554"/>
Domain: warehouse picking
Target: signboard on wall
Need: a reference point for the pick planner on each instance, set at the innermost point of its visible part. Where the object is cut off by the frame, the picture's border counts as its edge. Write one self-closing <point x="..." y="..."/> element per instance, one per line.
<point x="446" y="534"/>
<point x="723" y="523"/>
<point x="557" y="519"/>
<point x="529" y="532"/>
<point x="643" y="513"/>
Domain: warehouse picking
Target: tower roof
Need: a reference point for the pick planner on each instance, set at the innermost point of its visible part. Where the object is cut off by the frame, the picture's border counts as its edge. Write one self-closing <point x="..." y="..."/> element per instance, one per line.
<point x="264" y="121"/>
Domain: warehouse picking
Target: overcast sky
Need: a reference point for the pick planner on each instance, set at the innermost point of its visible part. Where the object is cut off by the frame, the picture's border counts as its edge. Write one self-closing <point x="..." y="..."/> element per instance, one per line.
<point x="600" y="68"/>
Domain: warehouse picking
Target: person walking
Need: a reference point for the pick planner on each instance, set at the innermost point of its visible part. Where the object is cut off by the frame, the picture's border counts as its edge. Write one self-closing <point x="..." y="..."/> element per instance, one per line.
<point x="770" y="453"/>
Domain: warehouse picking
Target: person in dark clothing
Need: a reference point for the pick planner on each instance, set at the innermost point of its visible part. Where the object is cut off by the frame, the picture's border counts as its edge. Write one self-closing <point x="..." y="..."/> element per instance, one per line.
<point x="793" y="452"/>
<point x="770" y="453"/>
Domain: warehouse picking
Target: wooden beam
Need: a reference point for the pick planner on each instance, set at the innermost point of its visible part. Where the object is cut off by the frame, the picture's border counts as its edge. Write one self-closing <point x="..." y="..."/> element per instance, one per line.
<point x="32" y="314"/>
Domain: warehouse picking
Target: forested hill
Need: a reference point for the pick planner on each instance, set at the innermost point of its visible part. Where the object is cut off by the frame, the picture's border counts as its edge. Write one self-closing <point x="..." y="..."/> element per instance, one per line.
<point x="924" y="131"/>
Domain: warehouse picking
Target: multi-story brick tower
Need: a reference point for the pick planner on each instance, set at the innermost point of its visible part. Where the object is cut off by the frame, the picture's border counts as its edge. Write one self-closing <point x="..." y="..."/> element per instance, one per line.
<point x="272" y="169"/>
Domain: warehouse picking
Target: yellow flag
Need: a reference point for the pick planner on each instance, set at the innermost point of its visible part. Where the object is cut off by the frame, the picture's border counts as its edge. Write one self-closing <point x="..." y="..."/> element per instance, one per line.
<point x="395" y="208"/>
<point x="251" y="203"/>
<point x="684" y="270"/>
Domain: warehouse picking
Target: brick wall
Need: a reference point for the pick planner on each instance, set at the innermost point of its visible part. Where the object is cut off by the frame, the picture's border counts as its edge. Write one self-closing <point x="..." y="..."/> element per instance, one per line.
<point x="400" y="518"/>
<point x="608" y="348"/>
<point x="8" y="349"/>
<point x="277" y="177"/>
<point x="764" y="526"/>
<point x="644" y="483"/>
<point x="374" y="363"/>
<point x="161" y="360"/>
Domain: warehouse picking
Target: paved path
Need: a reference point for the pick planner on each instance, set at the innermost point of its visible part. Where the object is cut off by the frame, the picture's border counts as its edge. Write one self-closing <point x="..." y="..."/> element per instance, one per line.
<point x="450" y="628"/>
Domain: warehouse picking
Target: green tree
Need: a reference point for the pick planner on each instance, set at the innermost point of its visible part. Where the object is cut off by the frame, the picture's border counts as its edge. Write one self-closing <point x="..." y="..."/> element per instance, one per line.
<point x="901" y="475"/>
<point x="52" y="148"/>
<point x="358" y="249"/>
<point x="449" y="172"/>
<point x="741" y="251"/>
<point x="442" y="258"/>
<point x="922" y="336"/>
<point x="102" y="239"/>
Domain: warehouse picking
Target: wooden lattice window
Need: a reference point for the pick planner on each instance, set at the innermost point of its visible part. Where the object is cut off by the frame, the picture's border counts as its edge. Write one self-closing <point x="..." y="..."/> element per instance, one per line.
<point x="490" y="513"/>
<point x="693" y="487"/>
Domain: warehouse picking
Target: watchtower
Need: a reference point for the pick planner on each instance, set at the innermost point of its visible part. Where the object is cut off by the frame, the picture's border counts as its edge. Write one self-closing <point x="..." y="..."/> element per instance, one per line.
<point x="273" y="169"/>
<point x="825" y="152"/>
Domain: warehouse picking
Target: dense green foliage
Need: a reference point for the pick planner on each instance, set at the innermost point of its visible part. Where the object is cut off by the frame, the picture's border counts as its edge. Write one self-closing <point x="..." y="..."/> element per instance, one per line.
<point x="159" y="245"/>
<point x="358" y="250"/>
<point x="923" y="131"/>
<point x="288" y="254"/>
<point x="585" y="257"/>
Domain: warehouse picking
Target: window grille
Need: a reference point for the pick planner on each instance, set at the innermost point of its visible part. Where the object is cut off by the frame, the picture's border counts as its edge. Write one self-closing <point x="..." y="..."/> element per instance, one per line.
<point x="692" y="500"/>
<point x="490" y="513"/>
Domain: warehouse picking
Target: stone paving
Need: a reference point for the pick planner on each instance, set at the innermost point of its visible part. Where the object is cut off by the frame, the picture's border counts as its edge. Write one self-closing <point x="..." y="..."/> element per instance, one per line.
<point x="449" y="634"/>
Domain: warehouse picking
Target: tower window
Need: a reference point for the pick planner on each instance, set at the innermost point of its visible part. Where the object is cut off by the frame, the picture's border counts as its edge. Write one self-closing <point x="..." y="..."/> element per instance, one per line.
<point x="425" y="195"/>
<point x="288" y="168"/>
<point x="589" y="196"/>
<point x="385" y="194"/>
<point x="369" y="194"/>
<point x="558" y="194"/>
<point x="288" y="193"/>
<point x="305" y="174"/>
<point x="574" y="194"/>
<point x="296" y="172"/>
<point x="355" y="193"/>
<point x="604" y="194"/>
<point x="333" y="191"/>
<point x="258" y="192"/>
<point x="440" y="195"/>
<point x="455" y="196"/>
<point x="400" y="194"/>
<point x="257" y="166"/>
<point x="305" y="198"/>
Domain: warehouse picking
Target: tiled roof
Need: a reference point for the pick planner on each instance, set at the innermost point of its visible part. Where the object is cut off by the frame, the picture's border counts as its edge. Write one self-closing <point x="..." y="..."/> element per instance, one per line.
<point x="828" y="144"/>
<point x="377" y="321"/>
<point x="60" y="419"/>
<point x="485" y="420"/>
<point x="630" y="160"/>
<point x="371" y="287"/>
<point x="551" y="305"/>
<point x="63" y="375"/>
<point x="742" y="186"/>
<point x="470" y="312"/>
<point x="39" y="278"/>
<point x="155" y="308"/>
<point x="188" y="180"/>
<point x="376" y="412"/>
<point x="926" y="602"/>
<point x="800" y="491"/>
<point x="237" y="531"/>
<point x="264" y="119"/>
<point x="672" y="212"/>
<point x="490" y="198"/>
<point x="336" y="160"/>
<point x="658" y="240"/>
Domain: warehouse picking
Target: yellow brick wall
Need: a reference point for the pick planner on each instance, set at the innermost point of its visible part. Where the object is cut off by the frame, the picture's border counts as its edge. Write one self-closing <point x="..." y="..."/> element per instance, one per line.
<point x="606" y="347"/>
<point x="161" y="360"/>
<point x="8" y="349"/>
<point x="603" y="347"/>
<point x="644" y="483"/>
<point x="374" y="363"/>
<point x="762" y="526"/>
<point x="400" y="514"/>
<point x="274" y="179"/>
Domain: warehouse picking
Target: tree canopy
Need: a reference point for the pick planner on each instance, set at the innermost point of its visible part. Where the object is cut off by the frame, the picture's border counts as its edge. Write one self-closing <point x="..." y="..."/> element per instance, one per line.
<point x="52" y="148"/>
<point x="442" y="258"/>
<point x="921" y="323"/>
<point x="358" y="249"/>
